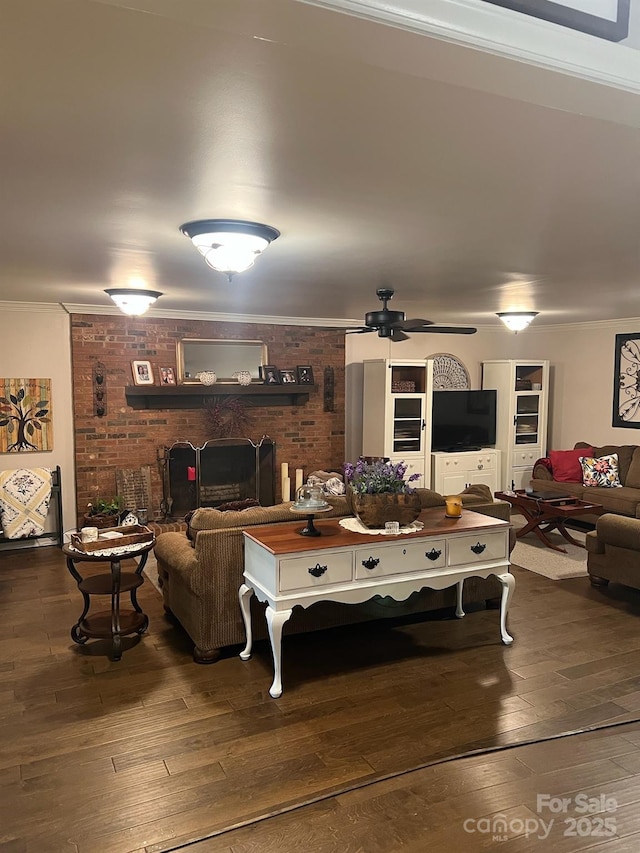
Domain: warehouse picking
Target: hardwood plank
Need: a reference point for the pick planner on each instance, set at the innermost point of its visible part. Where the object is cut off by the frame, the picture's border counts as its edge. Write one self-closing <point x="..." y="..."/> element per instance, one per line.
<point x="163" y="752"/>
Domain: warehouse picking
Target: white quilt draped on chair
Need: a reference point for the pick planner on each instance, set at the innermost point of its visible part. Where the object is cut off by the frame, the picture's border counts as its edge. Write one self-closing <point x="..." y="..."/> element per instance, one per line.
<point x="25" y="494"/>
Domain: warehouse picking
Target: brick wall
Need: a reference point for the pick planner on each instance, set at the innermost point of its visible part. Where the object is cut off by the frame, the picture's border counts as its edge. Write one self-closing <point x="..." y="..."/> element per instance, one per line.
<point x="306" y="436"/>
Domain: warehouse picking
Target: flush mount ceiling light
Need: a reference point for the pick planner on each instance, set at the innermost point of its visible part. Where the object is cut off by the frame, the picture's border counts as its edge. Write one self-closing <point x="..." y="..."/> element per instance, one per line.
<point x="229" y="245"/>
<point x="132" y="300"/>
<point x="516" y="321"/>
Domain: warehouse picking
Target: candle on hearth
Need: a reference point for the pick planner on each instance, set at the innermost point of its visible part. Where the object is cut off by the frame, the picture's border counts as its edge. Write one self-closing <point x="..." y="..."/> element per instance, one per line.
<point x="298" y="479"/>
<point x="284" y="473"/>
<point x="191" y="473"/>
<point x="286" y="489"/>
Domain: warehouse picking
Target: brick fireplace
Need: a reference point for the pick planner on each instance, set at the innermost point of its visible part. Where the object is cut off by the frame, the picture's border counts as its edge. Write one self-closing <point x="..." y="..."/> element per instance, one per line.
<point x="305" y="435"/>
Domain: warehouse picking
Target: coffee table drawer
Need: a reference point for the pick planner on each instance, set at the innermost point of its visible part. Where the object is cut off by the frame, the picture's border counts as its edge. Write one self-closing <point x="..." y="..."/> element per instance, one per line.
<point x="400" y="559"/>
<point x="315" y="570"/>
<point x="477" y="548"/>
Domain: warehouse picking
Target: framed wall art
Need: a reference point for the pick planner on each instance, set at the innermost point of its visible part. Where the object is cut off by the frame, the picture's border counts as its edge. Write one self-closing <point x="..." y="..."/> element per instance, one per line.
<point x="142" y="372"/>
<point x="606" y="19"/>
<point x="25" y="415"/>
<point x="626" y="386"/>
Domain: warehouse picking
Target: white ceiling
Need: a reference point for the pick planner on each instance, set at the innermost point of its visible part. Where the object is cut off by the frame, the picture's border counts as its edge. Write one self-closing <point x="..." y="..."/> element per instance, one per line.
<point x="385" y="158"/>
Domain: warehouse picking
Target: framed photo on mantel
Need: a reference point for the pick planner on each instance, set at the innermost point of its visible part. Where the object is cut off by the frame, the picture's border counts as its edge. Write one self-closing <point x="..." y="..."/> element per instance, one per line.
<point x="270" y="375"/>
<point x="142" y="372"/>
<point x="304" y="374"/>
<point x="605" y="19"/>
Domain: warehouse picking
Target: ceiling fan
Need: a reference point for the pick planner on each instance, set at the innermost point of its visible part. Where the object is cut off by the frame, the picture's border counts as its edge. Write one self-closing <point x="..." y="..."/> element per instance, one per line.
<point x="393" y="324"/>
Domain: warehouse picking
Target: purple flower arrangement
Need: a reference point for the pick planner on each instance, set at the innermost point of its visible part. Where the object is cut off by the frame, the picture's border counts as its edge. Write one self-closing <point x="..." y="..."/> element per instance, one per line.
<point x="376" y="478"/>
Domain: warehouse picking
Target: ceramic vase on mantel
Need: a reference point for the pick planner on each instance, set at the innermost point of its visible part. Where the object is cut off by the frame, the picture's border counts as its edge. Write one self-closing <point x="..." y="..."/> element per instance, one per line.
<point x="375" y="510"/>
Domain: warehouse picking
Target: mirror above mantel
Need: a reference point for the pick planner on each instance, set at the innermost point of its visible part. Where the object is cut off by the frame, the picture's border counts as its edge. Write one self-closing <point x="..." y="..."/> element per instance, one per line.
<point x="223" y="357"/>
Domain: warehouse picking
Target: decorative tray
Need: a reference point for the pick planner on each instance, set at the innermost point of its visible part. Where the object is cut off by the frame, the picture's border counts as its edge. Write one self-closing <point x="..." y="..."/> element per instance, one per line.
<point x="132" y="534"/>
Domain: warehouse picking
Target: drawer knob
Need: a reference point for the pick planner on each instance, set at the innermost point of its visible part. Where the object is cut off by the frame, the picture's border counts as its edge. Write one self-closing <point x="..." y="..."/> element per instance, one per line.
<point x="478" y="548"/>
<point x="317" y="570"/>
<point x="371" y="563"/>
<point x="432" y="554"/>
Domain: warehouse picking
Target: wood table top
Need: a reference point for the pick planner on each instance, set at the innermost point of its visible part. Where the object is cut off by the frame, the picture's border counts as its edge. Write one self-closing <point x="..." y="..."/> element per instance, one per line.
<point x="552" y="506"/>
<point x="284" y="538"/>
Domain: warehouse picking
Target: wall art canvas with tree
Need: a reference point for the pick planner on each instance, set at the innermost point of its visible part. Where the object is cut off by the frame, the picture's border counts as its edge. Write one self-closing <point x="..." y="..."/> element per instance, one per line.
<point x="25" y="415"/>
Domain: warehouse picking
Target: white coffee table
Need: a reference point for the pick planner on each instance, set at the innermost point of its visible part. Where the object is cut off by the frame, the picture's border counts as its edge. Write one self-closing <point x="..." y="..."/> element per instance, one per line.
<point x="288" y="570"/>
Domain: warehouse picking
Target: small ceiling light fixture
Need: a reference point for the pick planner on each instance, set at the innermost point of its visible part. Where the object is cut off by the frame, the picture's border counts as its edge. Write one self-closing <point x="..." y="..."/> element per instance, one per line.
<point x="132" y="300"/>
<point x="229" y="245"/>
<point x="516" y="321"/>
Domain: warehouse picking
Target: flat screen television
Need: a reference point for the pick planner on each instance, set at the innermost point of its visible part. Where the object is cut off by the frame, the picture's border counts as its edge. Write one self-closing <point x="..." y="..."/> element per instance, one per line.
<point x="463" y="420"/>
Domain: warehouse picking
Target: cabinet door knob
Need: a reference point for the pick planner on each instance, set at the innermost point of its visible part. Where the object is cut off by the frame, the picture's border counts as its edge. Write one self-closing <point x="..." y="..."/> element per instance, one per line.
<point x="371" y="563"/>
<point x="317" y="570"/>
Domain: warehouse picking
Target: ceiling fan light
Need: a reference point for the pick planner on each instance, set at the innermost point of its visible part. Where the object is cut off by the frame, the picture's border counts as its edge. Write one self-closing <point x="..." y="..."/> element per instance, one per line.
<point x="229" y="245"/>
<point x="516" y="321"/>
<point x="132" y="301"/>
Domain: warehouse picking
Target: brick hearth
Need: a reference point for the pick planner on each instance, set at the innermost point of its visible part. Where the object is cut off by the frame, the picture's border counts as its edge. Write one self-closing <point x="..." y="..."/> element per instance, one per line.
<point x="306" y="436"/>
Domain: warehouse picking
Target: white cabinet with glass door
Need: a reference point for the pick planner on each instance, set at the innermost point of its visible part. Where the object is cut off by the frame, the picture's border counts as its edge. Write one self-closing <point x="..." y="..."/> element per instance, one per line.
<point x="522" y="400"/>
<point x="396" y="416"/>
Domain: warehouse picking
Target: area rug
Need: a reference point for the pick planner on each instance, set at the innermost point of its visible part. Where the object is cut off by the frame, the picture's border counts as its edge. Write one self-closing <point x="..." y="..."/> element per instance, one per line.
<point x="532" y="554"/>
<point x="150" y="572"/>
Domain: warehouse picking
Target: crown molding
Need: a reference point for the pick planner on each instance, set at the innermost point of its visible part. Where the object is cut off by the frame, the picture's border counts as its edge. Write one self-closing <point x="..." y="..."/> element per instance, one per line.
<point x="34" y="307"/>
<point x="585" y="326"/>
<point x="503" y="32"/>
<point x="168" y="314"/>
<point x="262" y="320"/>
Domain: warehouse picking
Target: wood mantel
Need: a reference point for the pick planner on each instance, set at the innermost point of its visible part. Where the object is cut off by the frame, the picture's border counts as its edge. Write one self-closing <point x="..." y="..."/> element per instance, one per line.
<point x="195" y="396"/>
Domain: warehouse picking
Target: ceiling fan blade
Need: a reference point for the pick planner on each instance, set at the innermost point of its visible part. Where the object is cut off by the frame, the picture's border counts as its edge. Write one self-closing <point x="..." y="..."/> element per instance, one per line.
<point x="414" y="324"/>
<point x="398" y="335"/>
<point x="448" y="330"/>
<point x="347" y="331"/>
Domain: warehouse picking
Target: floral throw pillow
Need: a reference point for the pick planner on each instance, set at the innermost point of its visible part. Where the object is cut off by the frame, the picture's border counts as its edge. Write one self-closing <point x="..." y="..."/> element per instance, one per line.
<point x="601" y="471"/>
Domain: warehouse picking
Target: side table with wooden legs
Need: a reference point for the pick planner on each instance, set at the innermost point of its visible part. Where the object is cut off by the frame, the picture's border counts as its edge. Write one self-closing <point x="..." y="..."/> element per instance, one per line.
<point x="553" y="513"/>
<point x="113" y="623"/>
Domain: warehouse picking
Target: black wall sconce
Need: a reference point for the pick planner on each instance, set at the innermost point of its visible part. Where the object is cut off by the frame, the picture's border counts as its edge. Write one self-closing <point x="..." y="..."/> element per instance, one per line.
<point x="99" y="389"/>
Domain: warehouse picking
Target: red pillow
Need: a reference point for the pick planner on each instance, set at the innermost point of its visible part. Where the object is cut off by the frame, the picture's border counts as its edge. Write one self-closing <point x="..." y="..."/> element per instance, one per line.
<point x="565" y="465"/>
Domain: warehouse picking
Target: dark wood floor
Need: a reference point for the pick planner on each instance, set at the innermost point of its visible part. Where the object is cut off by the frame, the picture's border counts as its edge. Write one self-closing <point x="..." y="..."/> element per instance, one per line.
<point x="154" y="752"/>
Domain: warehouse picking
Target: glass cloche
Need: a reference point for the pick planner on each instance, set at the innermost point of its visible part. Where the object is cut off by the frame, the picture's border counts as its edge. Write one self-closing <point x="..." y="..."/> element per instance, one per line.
<point x="310" y="496"/>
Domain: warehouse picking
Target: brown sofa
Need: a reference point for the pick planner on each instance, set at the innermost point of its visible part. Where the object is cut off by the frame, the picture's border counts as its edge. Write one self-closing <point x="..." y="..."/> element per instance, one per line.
<point x="613" y="551"/>
<point x="621" y="501"/>
<point x="200" y="579"/>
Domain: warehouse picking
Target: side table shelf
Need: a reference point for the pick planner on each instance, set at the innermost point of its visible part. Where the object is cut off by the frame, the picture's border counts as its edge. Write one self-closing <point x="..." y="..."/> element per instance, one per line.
<point x="113" y="623"/>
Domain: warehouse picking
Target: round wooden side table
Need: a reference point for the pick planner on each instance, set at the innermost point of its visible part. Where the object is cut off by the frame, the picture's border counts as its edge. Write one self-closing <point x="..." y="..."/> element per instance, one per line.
<point x="114" y="623"/>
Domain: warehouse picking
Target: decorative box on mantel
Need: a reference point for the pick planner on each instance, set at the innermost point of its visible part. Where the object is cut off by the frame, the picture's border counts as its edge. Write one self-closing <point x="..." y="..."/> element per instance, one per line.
<point x="193" y="396"/>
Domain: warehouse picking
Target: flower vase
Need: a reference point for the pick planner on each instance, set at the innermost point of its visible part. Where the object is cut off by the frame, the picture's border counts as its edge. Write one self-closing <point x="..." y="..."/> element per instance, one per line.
<point x="375" y="510"/>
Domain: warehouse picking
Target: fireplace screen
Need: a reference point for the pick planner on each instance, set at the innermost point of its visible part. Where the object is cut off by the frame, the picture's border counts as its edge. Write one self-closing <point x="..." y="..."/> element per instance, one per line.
<point x="222" y="470"/>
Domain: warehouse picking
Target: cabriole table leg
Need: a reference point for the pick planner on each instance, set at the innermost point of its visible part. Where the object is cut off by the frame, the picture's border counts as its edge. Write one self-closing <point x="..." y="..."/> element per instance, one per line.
<point x="275" y="622"/>
<point x="244" y="595"/>
<point x="508" y="585"/>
